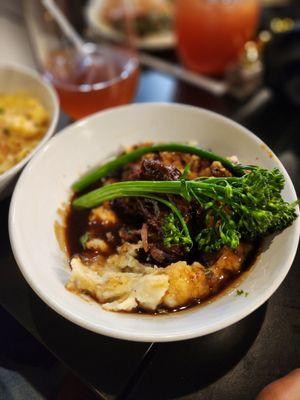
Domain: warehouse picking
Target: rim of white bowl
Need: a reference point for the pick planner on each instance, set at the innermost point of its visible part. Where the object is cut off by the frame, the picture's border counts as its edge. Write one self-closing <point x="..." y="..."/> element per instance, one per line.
<point x="253" y="304"/>
<point x="51" y="128"/>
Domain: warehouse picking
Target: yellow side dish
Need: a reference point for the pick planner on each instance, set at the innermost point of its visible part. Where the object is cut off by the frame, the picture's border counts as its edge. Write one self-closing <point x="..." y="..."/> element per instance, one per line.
<point x="23" y="122"/>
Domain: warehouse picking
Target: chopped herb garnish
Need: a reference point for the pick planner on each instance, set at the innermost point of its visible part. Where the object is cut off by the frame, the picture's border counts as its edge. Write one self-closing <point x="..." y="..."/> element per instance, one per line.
<point x="241" y="292"/>
<point x="84" y="239"/>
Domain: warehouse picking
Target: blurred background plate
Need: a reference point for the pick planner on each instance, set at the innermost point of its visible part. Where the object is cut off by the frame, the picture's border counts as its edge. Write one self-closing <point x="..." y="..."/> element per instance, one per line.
<point x="97" y="24"/>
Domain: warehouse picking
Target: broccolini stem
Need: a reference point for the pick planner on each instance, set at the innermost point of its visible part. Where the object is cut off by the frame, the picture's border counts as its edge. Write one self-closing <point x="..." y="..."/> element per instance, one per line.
<point x="102" y="171"/>
<point x="250" y="206"/>
<point x="140" y="188"/>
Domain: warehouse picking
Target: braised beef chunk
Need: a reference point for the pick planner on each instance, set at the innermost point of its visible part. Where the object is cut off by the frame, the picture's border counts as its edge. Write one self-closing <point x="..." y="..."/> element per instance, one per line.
<point x="150" y="168"/>
<point x="159" y="253"/>
<point x="131" y="171"/>
<point x="169" y="166"/>
<point x="137" y="209"/>
<point x="149" y="215"/>
<point x="155" y="170"/>
<point x="129" y="234"/>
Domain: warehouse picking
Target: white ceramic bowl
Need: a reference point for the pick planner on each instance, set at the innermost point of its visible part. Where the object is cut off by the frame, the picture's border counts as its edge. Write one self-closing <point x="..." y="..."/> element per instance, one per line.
<point x="16" y="78"/>
<point x="47" y="180"/>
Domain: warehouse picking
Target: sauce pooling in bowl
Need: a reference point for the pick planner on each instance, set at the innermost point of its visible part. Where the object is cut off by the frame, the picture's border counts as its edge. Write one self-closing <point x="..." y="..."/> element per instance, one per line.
<point x="120" y="258"/>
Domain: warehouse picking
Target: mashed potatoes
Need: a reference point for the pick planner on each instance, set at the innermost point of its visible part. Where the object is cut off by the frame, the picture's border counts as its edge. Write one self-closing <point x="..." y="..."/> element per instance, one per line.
<point x="23" y="122"/>
<point x="121" y="283"/>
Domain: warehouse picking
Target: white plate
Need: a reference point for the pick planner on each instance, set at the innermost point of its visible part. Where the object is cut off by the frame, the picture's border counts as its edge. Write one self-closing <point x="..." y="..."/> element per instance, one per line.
<point x="158" y="41"/>
<point x="45" y="185"/>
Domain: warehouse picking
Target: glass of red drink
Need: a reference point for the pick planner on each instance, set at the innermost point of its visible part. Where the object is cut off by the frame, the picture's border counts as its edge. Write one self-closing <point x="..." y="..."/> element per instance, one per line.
<point x="89" y="83"/>
<point x="211" y="33"/>
<point x="96" y="78"/>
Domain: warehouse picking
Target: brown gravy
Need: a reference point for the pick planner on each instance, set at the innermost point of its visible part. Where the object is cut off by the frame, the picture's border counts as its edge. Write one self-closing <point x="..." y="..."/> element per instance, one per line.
<point x="77" y="223"/>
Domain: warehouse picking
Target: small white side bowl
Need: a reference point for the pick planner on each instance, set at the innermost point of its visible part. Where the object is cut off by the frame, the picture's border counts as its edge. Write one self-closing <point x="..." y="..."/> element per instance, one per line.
<point x="47" y="180"/>
<point x="16" y="78"/>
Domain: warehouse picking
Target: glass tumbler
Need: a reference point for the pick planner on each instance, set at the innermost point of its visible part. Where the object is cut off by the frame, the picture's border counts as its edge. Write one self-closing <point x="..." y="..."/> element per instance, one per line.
<point x="104" y="76"/>
<point x="212" y="33"/>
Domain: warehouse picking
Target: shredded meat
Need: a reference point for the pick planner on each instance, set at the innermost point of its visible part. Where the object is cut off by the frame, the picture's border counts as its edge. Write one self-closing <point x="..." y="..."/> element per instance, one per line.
<point x="144" y="236"/>
<point x="142" y="218"/>
<point x="130" y="235"/>
<point x="156" y="170"/>
<point x="150" y="214"/>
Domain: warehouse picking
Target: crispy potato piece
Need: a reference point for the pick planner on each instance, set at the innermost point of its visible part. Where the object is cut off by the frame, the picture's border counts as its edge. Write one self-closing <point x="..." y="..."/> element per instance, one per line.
<point x="103" y="214"/>
<point x="186" y="283"/>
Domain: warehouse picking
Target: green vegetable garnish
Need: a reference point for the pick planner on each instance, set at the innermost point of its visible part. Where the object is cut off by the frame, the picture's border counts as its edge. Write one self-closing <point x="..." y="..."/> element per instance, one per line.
<point x="241" y="292"/>
<point x="249" y="206"/>
<point x="105" y="169"/>
<point x="2" y="110"/>
<point x="173" y="235"/>
<point x="84" y="239"/>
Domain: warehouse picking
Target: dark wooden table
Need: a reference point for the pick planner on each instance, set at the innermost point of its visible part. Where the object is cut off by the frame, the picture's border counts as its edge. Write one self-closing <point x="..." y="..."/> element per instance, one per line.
<point x="235" y="363"/>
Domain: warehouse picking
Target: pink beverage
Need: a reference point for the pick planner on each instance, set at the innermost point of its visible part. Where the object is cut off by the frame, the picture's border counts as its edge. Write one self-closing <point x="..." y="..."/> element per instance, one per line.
<point x="212" y="33"/>
<point x="88" y="84"/>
